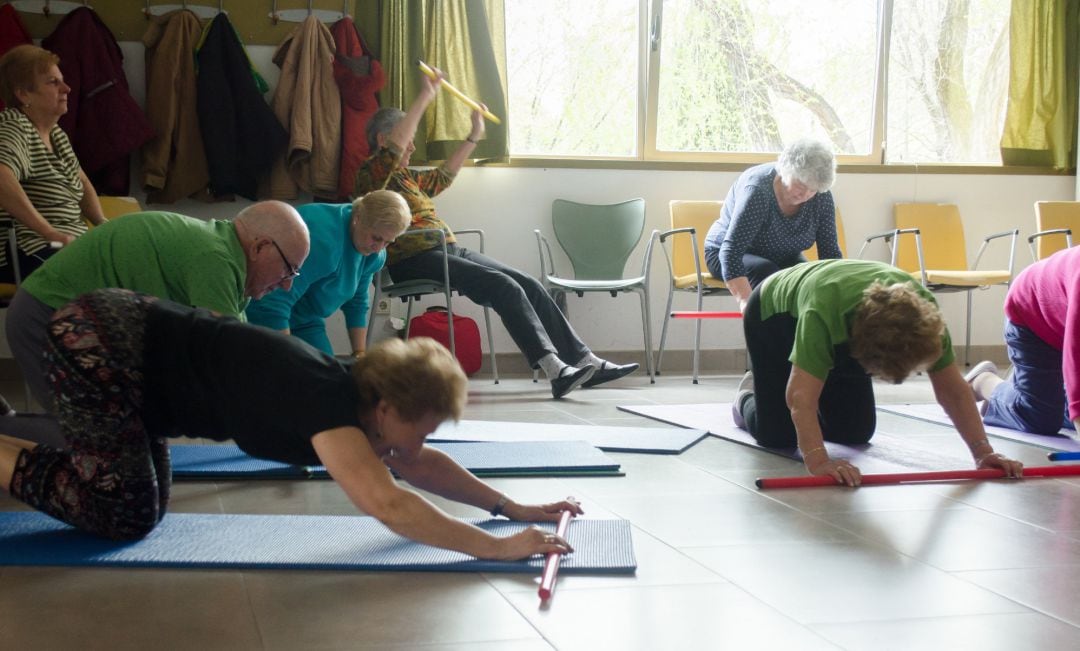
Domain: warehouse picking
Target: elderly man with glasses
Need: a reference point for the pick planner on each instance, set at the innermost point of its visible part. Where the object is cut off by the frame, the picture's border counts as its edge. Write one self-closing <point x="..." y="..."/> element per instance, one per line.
<point x="218" y="265"/>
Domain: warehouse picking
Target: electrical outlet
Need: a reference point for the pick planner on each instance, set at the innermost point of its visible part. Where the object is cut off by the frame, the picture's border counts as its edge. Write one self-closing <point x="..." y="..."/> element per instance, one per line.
<point x="383" y="306"/>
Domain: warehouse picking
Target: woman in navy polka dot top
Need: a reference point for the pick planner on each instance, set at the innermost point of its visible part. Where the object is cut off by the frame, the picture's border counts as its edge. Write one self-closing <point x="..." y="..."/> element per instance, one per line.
<point x="771" y="215"/>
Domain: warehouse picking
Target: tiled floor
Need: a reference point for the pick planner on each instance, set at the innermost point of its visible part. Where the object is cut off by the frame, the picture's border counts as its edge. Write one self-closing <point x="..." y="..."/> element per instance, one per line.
<point x="989" y="565"/>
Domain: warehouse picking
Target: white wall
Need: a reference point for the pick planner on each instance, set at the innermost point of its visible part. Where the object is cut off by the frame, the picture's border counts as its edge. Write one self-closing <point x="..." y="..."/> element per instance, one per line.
<point x="508" y="203"/>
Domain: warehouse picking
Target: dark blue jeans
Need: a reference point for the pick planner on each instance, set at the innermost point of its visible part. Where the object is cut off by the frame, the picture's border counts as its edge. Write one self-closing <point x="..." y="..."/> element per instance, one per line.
<point x="757" y="267"/>
<point x="1033" y="399"/>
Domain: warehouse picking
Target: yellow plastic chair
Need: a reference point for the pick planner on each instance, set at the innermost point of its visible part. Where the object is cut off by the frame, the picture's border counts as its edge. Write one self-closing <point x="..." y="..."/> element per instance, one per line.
<point x="598" y="239"/>
<point x="1055" y="221"/>
<point x="117" y="206"/>
<point x="684" y="247"/>
<point x="928" y="243"/>
<point x="812" y="254"/>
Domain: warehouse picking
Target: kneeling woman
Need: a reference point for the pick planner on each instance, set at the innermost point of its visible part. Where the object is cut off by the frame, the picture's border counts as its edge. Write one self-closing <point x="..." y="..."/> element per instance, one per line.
<point x="130" y="371"/>
<point x="817" y="332"/>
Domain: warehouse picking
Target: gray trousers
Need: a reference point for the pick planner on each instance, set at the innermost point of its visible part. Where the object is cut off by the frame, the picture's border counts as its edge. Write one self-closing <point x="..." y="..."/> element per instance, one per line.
<point x="27" y="325"/>
<point x="528" y="312"/>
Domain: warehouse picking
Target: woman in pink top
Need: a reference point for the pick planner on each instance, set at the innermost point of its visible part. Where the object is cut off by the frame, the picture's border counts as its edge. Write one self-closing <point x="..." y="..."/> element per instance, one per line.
<point x="1042" y="324"/>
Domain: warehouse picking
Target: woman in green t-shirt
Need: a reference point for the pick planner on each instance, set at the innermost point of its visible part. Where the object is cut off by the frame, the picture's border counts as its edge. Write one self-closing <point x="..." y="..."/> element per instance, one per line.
<point x="816" y="333"/>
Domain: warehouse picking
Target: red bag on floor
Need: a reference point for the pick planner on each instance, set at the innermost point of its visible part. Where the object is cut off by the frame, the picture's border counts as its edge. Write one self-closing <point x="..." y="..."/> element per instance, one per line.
<point x="433" y="323"/>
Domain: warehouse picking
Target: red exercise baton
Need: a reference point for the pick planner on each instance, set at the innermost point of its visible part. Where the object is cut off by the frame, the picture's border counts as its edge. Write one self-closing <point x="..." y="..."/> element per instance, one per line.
<point x="551" y="563"/>
<point x="692" y="314"/>
<point x="902" y="477"/>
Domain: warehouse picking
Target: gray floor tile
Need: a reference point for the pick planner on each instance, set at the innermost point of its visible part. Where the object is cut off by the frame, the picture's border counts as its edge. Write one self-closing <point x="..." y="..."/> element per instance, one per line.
<point x="1000" y="632"/>
<point x="1050" y="590"/>
<point x="847" y="582"/>
<point x="663" y="617"/>
<point x="961" y="539"/>
<point x="65" y="608"/>
<point x="306" y="610"/>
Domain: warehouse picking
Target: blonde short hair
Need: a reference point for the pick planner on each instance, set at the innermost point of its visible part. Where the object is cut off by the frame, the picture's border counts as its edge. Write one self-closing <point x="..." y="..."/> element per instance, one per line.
<point x="382" y="209"/>
<point x="19" y="69"/>
<point x="418" y="377"/>
<point x="895" y="331"/>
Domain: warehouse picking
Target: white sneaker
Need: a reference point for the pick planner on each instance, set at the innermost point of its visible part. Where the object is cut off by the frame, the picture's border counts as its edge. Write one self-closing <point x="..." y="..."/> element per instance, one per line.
<point x="980" y="368"/>
<point x="746" y="383"/>
<point x="746" y="387"/>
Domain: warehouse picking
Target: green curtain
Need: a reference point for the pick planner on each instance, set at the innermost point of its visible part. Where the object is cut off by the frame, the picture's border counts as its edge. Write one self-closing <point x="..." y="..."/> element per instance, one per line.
<point x="463" y="38"/>
<point x="1040" y="120"/>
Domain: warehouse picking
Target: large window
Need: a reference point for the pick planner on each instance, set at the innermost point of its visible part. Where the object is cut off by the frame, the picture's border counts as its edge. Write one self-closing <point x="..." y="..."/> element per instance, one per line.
<point x="572" y="72"/>
<point x="903" y="81"/>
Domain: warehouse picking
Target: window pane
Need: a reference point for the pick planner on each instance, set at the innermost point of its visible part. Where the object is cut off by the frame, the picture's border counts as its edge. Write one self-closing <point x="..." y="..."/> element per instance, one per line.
<point x="572" y="70"/>
<point x="740" y="76"/>
<point x="948" y="81"/>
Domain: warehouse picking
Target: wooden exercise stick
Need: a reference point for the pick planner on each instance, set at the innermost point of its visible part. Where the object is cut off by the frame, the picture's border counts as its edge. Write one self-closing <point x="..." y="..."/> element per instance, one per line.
<point x="430" y="72"/>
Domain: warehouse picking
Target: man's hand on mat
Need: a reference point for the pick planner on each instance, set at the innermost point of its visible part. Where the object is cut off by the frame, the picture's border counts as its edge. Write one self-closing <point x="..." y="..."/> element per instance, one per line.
<point x="840" y="470"/>
<point x="1012" y="467"/>
<point x="541" y="512"/>
<point x="530" y="542"/>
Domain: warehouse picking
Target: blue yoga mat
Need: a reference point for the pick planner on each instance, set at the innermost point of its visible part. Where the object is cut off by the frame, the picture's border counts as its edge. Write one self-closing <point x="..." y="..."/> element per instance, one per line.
<point x="648" y="440"/>
<point x="885" y="452"/>
<point x="933" y="413"/>
<point x="310" y="542"/>
<point x="517" y="458"/>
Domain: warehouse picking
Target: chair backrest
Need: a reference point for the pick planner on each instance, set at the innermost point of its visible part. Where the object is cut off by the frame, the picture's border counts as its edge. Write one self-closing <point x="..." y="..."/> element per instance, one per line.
<point x="699" y="215"/>
<point x="941" y="232"/>
<point x="812" y="254"/>
<point x="598" y="239"/>
<point x="1056" y="214"/>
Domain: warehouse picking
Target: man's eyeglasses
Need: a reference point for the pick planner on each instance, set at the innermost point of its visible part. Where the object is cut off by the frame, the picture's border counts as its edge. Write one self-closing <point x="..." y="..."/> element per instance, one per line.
<point x="293" y="271"/>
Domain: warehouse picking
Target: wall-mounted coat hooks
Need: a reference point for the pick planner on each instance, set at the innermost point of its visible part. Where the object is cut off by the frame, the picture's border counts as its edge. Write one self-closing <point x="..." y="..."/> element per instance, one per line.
<point x="202" y="11"/>
<point x="48" y="7"/>
<point x="300" y="15"/>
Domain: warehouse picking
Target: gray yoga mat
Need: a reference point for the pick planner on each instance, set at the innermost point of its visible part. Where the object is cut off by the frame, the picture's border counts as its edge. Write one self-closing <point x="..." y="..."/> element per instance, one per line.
<point x="933" y="413"/>
<point x="886" y="452"/>
<point x="488" y="459"/>
<point x="649" y="440"/>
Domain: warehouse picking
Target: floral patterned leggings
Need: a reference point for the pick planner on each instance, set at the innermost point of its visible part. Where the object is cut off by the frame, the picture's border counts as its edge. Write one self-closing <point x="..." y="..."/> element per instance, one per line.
<point x="111" y="478"/>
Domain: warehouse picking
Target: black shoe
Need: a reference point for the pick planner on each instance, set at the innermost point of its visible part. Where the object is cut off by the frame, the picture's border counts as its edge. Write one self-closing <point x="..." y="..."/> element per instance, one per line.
<point x="570" y="379"/>
<point x="608" y="372"/>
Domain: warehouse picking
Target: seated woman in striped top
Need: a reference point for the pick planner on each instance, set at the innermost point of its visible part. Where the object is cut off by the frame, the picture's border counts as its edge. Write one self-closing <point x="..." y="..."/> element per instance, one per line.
<point x="43" y="189"/>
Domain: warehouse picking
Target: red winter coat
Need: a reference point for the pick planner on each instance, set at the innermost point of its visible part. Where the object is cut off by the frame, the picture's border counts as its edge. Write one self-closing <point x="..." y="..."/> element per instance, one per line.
<point x="359" y="76"/>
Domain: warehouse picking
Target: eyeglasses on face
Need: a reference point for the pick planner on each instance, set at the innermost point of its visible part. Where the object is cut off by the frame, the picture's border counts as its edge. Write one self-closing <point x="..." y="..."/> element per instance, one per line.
<point x="294" y="271"/>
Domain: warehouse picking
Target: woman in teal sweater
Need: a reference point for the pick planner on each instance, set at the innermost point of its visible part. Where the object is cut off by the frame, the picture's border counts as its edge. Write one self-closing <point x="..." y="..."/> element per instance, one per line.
<point x="348" y="243"/>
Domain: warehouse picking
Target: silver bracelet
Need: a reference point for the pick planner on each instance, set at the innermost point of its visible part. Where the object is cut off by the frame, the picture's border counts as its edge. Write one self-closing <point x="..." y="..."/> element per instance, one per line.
<point x="497" y="510"/>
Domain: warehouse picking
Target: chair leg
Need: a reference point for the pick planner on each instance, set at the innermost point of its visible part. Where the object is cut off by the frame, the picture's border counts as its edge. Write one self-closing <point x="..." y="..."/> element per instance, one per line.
<point x="647" y="328"/>
<point x="371" y="318"/>
<point x="13" y="257"/>
<point x="663" y="332"/>
<point x="697" y="348"/>
<point x="491" y="345"/>
<point x="967" y="332"/>
<point x="697" y="335"/>
<point x="450" y="324"/>
<point x="408" y="315"/>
